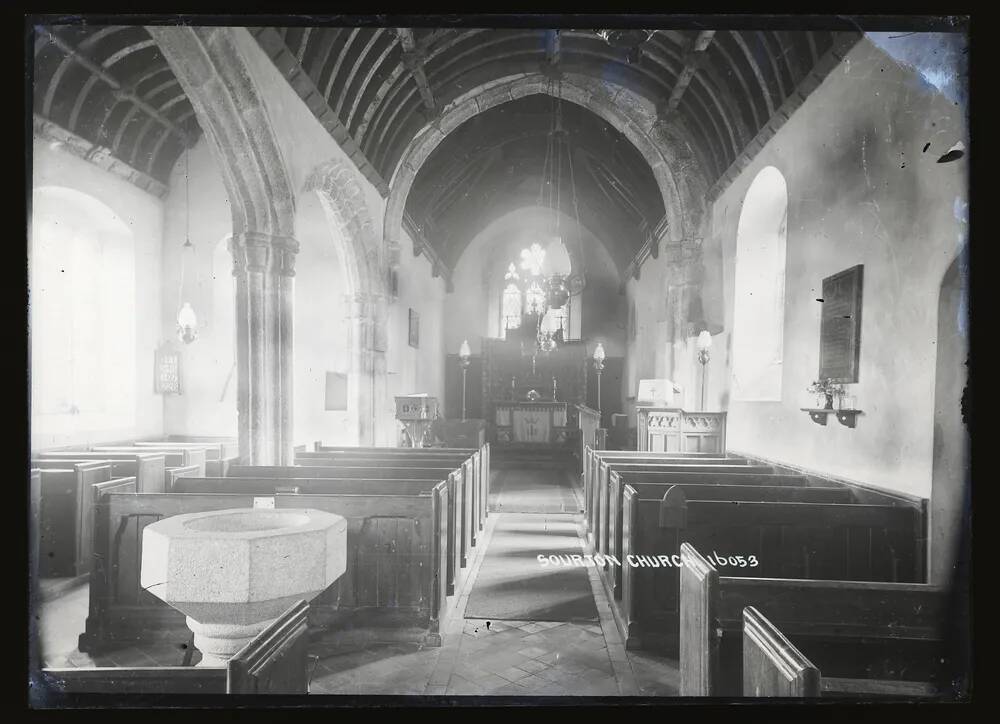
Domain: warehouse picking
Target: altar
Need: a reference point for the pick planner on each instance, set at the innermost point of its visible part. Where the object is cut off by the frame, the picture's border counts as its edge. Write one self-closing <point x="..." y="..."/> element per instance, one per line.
<point x="542" y="423"/>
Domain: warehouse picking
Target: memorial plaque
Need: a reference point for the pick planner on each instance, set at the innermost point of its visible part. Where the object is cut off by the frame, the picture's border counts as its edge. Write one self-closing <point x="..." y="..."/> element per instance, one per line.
<point x="167" y="377"/>
<point x="840" y="325"/>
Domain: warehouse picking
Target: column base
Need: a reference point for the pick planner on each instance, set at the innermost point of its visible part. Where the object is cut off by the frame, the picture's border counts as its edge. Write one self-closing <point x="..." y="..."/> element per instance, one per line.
<point x="219" y="642"/>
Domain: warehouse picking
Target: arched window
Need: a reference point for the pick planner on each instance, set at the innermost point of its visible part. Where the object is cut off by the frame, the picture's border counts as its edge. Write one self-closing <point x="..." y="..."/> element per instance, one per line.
<point x="510" y="314"/>
<point x="82" y="329"/>
<point x="524" y="292"/>
<point x="759" y="294"/>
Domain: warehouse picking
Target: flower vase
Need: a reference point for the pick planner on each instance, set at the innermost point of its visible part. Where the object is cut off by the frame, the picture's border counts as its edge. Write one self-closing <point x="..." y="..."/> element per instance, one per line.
<point x="829" y="401"/>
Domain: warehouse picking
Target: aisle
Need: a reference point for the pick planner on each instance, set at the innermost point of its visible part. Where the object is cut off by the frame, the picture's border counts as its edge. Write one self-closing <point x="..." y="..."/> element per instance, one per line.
<point x="533" y="490"/>
<point x="513" y="585"/>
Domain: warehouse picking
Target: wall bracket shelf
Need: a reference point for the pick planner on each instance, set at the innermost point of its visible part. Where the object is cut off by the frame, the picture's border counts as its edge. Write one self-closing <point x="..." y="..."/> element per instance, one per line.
<point x="847" y="418"/>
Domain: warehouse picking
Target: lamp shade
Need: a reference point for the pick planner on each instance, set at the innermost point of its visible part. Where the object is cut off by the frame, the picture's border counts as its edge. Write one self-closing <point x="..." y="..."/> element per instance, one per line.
<point x="704" y="341"/>
<point x="464" y="350"/>
<point x="599" y="352"/>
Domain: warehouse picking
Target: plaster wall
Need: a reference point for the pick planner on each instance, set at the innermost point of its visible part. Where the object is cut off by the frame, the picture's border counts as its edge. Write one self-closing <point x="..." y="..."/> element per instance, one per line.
<point x="142" y="213"/>
<point x="859" y="158"/>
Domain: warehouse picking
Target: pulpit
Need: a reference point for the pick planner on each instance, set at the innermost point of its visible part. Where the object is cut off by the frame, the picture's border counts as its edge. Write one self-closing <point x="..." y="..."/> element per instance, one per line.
<point x="541" y="423"/>
<point x="416" y="414"/>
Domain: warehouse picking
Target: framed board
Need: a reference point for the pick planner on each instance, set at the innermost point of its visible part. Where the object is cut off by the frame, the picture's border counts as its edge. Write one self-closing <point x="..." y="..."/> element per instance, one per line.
<point x="840" y="325"/>
<point x="167" y="371"/>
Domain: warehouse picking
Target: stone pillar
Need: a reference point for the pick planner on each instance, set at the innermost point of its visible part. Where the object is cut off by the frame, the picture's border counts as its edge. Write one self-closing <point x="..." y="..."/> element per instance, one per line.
<point x="685" y="273"/>
<point x="385" y="408"/>
<point x="360" y="345"/>
<point x="264" y="267"/>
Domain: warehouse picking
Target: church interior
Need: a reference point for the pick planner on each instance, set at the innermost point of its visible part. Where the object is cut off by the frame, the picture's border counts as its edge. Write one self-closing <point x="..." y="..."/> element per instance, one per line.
<point x="513" y="362"/>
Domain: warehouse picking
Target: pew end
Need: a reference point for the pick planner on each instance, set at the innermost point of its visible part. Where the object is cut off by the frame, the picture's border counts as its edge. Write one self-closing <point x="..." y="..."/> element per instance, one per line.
<point x="772" y="666"/>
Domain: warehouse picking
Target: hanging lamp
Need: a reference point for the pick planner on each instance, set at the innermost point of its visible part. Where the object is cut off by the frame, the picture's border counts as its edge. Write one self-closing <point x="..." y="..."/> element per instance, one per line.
<point x="187" y="320"/>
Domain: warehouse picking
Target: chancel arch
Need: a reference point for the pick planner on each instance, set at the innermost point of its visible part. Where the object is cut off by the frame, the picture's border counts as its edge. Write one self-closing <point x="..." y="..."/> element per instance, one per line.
<point x="623" y="109"/>
<point x="759" y="292"/>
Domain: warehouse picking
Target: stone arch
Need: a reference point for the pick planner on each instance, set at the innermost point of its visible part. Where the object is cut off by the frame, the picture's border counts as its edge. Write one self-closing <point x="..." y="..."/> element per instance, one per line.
<point x="628" y="112"/>
<point x="343" y="201"/>
<point x="231" y="112"/>
<point x="230" y="109"/>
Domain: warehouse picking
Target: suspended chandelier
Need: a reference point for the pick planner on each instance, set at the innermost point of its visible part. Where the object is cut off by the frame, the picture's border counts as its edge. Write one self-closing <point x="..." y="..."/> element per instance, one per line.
<point x="542" y="292"/>
<point x="187" y="320"/>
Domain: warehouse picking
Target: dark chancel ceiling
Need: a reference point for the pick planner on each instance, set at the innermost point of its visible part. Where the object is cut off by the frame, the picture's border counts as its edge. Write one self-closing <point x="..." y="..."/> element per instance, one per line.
<point x="111" y="86"/>
<point x="495" y="163"/>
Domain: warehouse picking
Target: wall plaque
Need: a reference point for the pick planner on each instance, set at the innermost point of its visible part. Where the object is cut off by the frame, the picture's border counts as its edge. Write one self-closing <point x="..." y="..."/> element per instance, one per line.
<point x="167" y="372"/>
<point x="840" y="325"/>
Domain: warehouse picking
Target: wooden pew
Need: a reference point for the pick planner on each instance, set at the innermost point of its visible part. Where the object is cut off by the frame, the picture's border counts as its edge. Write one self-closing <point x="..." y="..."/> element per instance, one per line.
<point x="787" y="539"/>
<point x="149" y="469"/>
<point x="219" y="454"/>
<point x="275" y="662"/>
<point x="593" y="455"/>
<point x="597" y="531"/>
<point x="189" y="471"/>
<point x="472" y="462"/>
<point x="610" y="515"/>
<point x="598" y="461"/>
<point x="394" y="587"/>
<point x="461" y="499"/>
<point x="65" y="524"/>
<point x="230" y="445"/>
<point x="483" y="469"/>
<point x="761" y="488"/>
<point x="868" y="637"/>
<point x="174" y="457"/>
<point x="270" y="480"/>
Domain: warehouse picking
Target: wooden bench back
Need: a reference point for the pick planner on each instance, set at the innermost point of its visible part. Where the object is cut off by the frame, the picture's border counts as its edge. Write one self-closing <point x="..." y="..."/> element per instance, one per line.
<point x="275" y="661"/>
<point x="149" y="469"/>
<point x="314" y="486"/>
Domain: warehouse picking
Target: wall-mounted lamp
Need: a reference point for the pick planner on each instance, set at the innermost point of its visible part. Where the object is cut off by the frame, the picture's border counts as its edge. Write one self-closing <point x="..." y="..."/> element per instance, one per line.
<point x="704" y="346"/>
<point x="464" y="353"/>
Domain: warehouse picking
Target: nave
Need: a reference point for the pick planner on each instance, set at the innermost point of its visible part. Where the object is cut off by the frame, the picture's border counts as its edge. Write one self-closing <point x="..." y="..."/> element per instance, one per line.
<point x="513" y="361"/>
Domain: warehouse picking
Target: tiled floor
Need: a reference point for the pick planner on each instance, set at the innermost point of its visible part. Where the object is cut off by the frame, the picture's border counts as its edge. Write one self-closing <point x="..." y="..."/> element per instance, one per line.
<point x="477" y="657"/>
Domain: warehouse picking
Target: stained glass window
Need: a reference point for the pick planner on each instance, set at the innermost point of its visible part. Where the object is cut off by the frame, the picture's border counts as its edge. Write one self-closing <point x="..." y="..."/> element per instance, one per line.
<point x="510" y="314"/>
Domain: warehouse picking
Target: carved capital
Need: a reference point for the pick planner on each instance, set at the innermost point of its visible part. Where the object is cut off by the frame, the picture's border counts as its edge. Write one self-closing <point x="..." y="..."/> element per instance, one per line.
<point x="256" y="252"/>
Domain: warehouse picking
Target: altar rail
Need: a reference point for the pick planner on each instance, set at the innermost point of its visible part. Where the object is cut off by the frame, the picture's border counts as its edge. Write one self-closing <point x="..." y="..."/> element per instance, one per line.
<point x="671" y="429"/>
